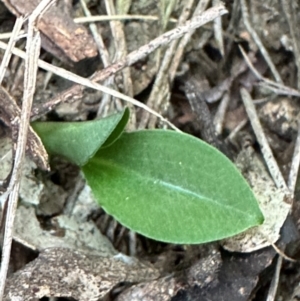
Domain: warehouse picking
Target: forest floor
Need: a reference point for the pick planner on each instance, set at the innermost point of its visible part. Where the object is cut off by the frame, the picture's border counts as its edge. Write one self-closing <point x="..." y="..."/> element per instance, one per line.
<point x="205" y="83"/>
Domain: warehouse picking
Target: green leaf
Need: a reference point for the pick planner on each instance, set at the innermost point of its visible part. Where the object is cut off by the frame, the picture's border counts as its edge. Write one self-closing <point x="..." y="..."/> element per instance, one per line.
<point x="79" y="141"/>
<point x="172" y="187"/>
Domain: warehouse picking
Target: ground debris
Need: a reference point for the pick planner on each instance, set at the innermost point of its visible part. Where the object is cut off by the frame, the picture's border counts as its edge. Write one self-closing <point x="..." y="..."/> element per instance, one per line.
<point x="273" y="202"/>
<point x="31" y="188"/>
<point x="9" y="113"/>
<point x="61" y="36"/>
<point x="75" y="259"/>
<point x="237" y="277"/>
<point x="62" y="272"/>
<point x="59" y="272"/>
<point x="66" y="233"/>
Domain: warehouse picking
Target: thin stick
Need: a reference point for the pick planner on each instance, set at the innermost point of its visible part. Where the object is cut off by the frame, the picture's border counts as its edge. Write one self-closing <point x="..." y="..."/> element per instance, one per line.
<point x="135" y="56"/>
<point x="271" y="85"/>
<point x="33" y="49"/>
<point x="293" y="175"/>
<point x="129" y="60"/>
<point x="237" y="129"/>
<point x="218" y="31"/>
<point x="10" y="46"/>
<point x="93" y="19"/>
<point x="281" y="253"/>
<point x="274" y="284"/>
<point x="258" y="41"/>
<point x="293" y="24"/>
<point x="104" y="56"/>
<point x="119" y="39"/>
<point x="162" y="74"/>
<point x="200" y="9"/>
<point x="177" y="56"/>
<point x="221" y="112"/>
<point x="262" y="140"/>
<point x="88" y="83"/>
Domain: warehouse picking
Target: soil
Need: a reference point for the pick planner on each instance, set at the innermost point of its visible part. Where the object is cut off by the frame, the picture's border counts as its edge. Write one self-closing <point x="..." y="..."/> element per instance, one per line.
<point x="64" y="245"/>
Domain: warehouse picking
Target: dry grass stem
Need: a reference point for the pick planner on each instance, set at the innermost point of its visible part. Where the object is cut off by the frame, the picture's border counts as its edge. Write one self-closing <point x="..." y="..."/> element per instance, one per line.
<point x="118" y="36"/>
<point x="258" y="42"/>
<point x="173" y="58"/>
<point x="33" y="49"/>
<point x="88" y="83"/>
<point x="274" y="284"/>
<point x="200" y="9"/>
<point x="289" y="12"/>
<point x="132" y="58"/>
<point x="235" y="131"/>
<point x="218" y="31"/>
<point x="104" y="56"/>
<point x="293" y="175"/>
<point x="10" y="46"/>
<point x="162" y="77"/>
<point x="93" y="19"/>
<point x="220" y="114"/>
<point x="177" y="56"/>
<point x="269" y="84"/>
<point x="262" y="140"/>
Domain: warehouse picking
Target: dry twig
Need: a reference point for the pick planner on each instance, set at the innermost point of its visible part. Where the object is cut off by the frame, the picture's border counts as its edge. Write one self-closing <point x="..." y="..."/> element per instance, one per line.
<point x="289" y="8"/>
<point x="220" y="114"/>
<point x="275" y="280"/>
<point x="118" y="35"/>
<point x="33" y="50"/>
<point x="10" y="46"/>
<point x="101" y="18"/>
<point x="293" y="175"/>
<point x="88" y="83"/>
<point x="258" y="42"/>
<point x="269" y="84"/>
<point x="218" y="31"/>
<point x="262" y="140"/>
<point x="162" y="79"/>
<point x="104" y="56"/>
<point x="75" y="91"/>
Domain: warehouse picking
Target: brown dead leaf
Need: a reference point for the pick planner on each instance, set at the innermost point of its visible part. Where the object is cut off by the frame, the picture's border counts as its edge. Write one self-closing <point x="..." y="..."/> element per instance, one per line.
<point x="61" y="36"/>
<point x="9" y="111"/>
<point x="273" y="203"/>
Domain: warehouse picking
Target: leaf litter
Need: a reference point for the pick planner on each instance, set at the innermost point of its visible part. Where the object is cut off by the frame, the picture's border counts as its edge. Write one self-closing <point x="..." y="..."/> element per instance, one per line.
<point x="273" y="202"/>
<point x="277" y="26"/>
